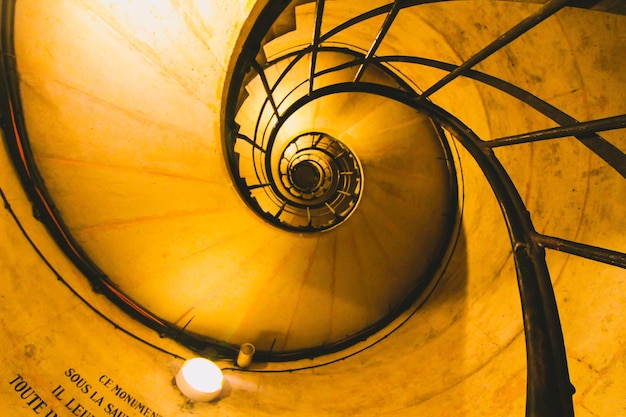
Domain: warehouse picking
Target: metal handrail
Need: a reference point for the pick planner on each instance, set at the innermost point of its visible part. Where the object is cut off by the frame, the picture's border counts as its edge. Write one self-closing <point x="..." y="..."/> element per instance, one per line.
<point x="549" y="390"/>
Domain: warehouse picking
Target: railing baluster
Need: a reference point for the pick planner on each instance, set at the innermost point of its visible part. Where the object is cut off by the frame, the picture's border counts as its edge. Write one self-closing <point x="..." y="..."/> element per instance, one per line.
<point x="379" y="38"/>
<point x="255" y="186"/>
<point x="516" y="31"/>
<point x="280" y="210"/>
<point x="268" y="91"/>
<point x="250" y="141"/>
<point x="593" y="126"/>
<point x="319" y="12"/>
<point x="595" y="253"/>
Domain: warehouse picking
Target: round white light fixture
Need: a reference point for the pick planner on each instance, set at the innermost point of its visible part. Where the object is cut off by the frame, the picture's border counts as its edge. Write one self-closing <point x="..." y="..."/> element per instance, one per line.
<point x="199" y="379"/>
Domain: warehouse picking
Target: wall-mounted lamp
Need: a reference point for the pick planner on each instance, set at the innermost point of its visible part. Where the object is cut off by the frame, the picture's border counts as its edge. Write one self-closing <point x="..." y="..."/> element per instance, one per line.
<point x="246" y="352"/>
<point x="200" y="379"/>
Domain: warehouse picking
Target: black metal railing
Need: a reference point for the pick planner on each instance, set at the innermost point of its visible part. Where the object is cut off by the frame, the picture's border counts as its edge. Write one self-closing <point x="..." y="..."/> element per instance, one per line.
<point x="258" y="155"/>
<point x="294" y="186"/>
<point x="549" y="391"/>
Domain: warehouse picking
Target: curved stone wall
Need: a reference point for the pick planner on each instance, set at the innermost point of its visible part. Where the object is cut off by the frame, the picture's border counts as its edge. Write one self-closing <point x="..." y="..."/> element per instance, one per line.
<point x="68" y="350"/>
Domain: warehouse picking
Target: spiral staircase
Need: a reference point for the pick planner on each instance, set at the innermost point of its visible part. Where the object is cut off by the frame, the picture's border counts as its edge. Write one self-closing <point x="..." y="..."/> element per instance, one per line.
<point x="367" y="188"/>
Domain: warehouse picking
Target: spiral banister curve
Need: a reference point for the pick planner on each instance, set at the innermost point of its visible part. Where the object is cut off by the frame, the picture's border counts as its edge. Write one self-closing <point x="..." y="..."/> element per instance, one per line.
<point x="352" y="132"/>
<point x="549" y="388"/>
